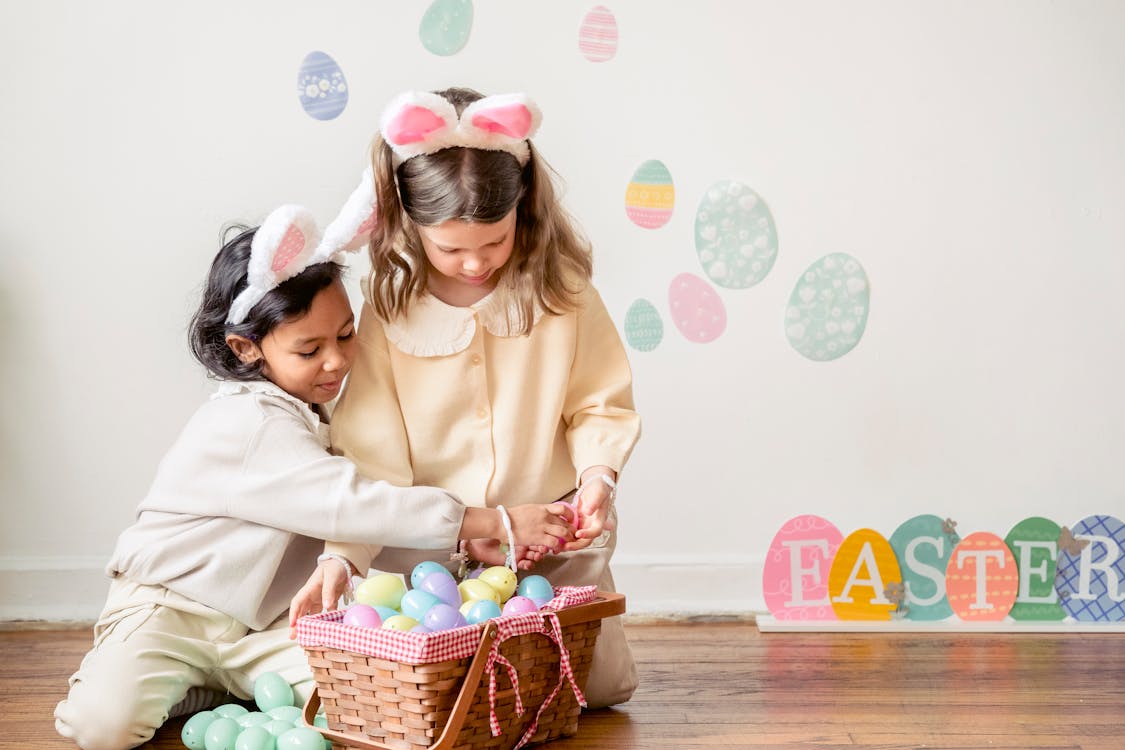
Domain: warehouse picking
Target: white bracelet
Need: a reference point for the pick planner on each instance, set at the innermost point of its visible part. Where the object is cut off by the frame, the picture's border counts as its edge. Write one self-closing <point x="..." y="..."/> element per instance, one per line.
<point x="343" y="561"/>
<point x="510" y="555"/>
<point x="607" y="479"/>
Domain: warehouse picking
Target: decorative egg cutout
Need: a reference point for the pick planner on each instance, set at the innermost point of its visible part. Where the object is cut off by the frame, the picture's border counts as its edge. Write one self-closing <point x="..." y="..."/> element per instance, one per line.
<point x="795" y="574"/>
<point x="862" y="572"/>
<point x="321" y="86"/>
<point x="650" y="195"/>
<point x="1034" y="543"/>
<point x="445" y="26"/>
<point x="735" y="236"/>
<point x="827" y="312"/>
<point x="981" y="579"/>
<point x="1091" y="577"/>
<point x="643" y="327"/>
<point x="696" y="309"/>
<point x="923" y="548"/>
<point x="597" y="35"/>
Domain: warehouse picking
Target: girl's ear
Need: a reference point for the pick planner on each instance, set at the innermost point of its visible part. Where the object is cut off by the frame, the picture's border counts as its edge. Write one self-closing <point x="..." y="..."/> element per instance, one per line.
<point x="245" y="349"/>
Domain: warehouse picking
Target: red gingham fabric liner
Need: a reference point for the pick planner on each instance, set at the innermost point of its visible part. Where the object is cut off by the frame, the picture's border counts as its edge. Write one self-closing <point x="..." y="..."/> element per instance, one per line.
<point x="326" y="629"/>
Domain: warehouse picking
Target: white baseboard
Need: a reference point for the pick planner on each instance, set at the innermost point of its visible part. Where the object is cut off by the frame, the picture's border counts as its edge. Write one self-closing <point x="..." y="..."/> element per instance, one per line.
<point x="62" y="589"/>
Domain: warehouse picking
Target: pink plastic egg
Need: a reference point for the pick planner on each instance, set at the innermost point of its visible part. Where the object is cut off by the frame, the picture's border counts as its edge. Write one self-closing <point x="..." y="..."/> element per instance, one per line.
<point x="363" y="616"/>
<point x="520" y="605"/>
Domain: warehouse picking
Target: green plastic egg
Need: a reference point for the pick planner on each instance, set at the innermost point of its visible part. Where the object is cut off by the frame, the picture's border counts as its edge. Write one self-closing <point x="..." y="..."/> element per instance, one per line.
<point x="252" y="719"/>
<point x="320" y="720"/>
<point x="301" y="738"/>
<point x="278" y="727"/>
<point x="271" y="690"/>
<point x="255" y="738"/>
<point x="221" y="734"/>
<point x="286" y="713"/>
<point x="194" y="729"/>
<point x="231" y="710"/>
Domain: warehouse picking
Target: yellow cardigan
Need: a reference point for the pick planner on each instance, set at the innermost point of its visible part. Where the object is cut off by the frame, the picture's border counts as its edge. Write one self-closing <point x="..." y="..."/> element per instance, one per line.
<point x="446" y="397"/>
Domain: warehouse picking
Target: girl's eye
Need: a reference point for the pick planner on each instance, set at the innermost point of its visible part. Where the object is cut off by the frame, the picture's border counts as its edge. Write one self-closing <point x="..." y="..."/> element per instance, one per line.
<point x="309" y="355"/>
<point x="346" y="336"/>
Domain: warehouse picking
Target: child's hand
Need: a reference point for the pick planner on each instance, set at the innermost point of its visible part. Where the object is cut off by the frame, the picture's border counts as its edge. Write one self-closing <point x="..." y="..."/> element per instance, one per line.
<point x="320" y="593"/>
<point x="536" y="525"/>
<point x="488" y="552"/>
<point x="593" y="503"/>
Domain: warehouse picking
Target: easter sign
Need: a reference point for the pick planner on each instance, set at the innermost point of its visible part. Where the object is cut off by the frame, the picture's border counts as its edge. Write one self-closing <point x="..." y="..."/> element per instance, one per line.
<point x="926" y="576"/>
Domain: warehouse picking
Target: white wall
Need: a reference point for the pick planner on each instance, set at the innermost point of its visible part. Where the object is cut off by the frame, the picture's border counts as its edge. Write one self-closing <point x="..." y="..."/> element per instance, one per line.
<point x="970" y="155"/>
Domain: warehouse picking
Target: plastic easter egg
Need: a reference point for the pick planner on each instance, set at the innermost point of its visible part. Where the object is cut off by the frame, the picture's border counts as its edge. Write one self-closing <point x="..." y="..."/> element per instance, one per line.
<point x="419" y="628"/>
<point x="475" y="588"/>
<point x="278" y="727"/>
<point x="650" y="195"/>
<point x="255" y="738"/>
<point x="443" y="617"/>
<point x="696" y="309"/>
<point x="735" y="236"/>
<point x="271" y="690"/>
<point x="286" y="713"/>
<point x="861" y="574"/>
<point x="399" y="622"/>
<point x="363" y="616"/>
<point x="597" y="35"/>
<point x="221" y="734"/>
<point x="827" y="310"/>
<point x="443" y="587"/>
<point x="445" y="26"/>
<point x="301" y="738"/>
<point x="520" y="605"/>
<point x="385" y="612"/>
<point x="474" y="573"/>
<point x="195" y="728"/>
<point x="416" y="603"/>
<point x="795" y="574"/>
<point x="231" y="710"/>
<point x="479" y="610"/>
<point x="321" y="86"/>
<point x="1091" y="573"/>
<point x="381" y="590"/>
<point x="923" y="547"/>
<point x="1034" y="543"/>
<point x="502" y="579"/>
<point x="320" y="720"/>
<point x="540" y="601"/>
<point x="981" y="578"/>
<point x="253" y="719"/>
<point x="644" y="330"/>
<point x="536" y="587"/>
<point x="423" y="569"/>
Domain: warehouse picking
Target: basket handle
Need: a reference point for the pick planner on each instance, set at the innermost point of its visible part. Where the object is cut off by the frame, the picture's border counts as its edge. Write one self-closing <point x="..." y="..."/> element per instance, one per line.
<point x="452" y="725"/>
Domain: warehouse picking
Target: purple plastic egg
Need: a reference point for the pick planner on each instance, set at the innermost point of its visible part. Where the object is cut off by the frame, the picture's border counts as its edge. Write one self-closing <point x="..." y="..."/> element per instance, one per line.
<point x="363" y="616"/>
<point x="474" y="573"/>
<point x="423" y="569"/>
<point x="443" y="587"/>
<point x="541" y="603"/>
<point x="420" y="629"/>
<point x="444" y="617"/>
<point x="520" y="605"/>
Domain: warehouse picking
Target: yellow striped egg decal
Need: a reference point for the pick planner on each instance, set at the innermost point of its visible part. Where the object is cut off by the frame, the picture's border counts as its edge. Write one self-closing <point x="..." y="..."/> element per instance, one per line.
<point x="650" y="195"/>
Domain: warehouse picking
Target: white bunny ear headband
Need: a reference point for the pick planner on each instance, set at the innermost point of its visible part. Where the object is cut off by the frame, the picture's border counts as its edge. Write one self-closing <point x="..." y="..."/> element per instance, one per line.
<point x="420" y="122"/>
<point x="289" y="241"/>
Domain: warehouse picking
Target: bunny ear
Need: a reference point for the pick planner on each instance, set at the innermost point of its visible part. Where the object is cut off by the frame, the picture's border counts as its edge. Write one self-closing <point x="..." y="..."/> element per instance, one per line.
<point x="418" y="122"/>
<point x="511" y="115"/>
<point x="281" y="249"/>
<point x="351" y="229"/>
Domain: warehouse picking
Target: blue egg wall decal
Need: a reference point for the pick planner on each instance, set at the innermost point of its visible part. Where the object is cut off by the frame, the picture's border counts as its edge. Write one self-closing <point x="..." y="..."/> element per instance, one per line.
<point x="321" y="86"/>
<point x="445" y="26"/>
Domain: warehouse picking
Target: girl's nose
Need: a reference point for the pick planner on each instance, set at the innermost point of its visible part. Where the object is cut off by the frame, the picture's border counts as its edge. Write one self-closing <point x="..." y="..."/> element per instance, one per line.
<point x="335" y="360"/>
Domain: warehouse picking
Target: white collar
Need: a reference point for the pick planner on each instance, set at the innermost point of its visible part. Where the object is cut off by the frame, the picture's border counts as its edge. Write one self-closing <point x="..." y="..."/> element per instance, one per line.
<point x="237" y="387"/>
<point x="434" y="328"/>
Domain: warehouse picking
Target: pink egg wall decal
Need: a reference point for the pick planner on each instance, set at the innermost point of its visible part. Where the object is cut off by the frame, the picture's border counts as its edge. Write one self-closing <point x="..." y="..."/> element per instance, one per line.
<point x="597" y="35"/>
<point x="795" y="574"/>
<point x="696" y="309"/>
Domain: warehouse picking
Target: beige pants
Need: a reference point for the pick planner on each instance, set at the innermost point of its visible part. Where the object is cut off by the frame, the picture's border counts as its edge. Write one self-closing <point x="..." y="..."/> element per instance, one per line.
<point x="150" y="646"/>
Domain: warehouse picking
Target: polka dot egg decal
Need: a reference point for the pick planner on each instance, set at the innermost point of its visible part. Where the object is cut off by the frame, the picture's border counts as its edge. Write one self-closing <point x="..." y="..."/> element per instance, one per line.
<point x="643" y="327"/>
<point x="696" y="309"/>
<point x="735" y="235"/>
<point x="650" y="195"/>
<point x="597" y="36"/>
<point x="827" y="311"/>
<point x="321" y="86"/>
<point x="445" y="27"/>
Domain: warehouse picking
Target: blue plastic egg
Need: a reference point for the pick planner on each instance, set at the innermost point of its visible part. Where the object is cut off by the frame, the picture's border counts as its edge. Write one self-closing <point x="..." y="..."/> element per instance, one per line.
<point x="536" y="587"/>
<point x="271" y="690"/>
<point x="301" y="738"/>
<point x="231" y="710"/>
<point x="254" y="738"/>
<point x="195" y="728"/>
<point x="278" y="727"/>
<point x="286" y="713"/>
<point x="416" y="603"/>
<point x="221" y="734"/>
<point x="480" y="610"/>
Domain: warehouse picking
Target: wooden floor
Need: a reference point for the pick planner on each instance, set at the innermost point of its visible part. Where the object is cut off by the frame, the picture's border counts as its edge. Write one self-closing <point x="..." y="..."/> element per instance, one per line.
<point x="727" y="685"/>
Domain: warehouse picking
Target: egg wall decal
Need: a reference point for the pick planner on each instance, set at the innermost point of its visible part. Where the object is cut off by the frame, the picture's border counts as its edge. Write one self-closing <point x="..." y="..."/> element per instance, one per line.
<point x="650" y="195"/>
<point x="861" y="575"/>
<point x="923" y="547"/>
<point x="597" y="35"/>
<point x="1034" y="543"/>
<point x="1091" y="573"/>
<point x="321" y="86"/>
<point x="735" y="236"/>
<point x="643" y="327"/>
<point x="795" y="574"/>
<point x="827" y="311"/>
<point x="445" y="26"/>
<point x="696" y="309"/>
<point x="981" y="578"/>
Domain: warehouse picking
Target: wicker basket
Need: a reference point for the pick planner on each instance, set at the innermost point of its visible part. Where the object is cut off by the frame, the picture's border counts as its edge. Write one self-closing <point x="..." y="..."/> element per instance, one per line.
<point x="376" y="703"/>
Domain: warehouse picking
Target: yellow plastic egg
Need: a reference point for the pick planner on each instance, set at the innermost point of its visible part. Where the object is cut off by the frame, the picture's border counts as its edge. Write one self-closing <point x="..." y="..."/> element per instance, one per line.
<point x="475" y="589"/>
<point x="382" y="590"/>
<point x="400" y="622"/>
<point x="502" y="579"/>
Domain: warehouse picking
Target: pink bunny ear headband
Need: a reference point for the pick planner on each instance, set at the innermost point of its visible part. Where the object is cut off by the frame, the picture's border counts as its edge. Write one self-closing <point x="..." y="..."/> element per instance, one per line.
<point x="420" y="122"/>
<point x="289" y="241"/>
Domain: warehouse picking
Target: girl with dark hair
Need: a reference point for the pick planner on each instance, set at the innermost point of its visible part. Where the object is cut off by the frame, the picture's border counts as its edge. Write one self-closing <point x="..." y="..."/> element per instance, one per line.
<point x="488" y="363"/>
<point x="243" y="501"/>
